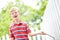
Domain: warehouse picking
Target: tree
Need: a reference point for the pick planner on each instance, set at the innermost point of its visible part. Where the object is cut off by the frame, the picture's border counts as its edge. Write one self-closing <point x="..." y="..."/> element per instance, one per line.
<point x="28" y="14"/>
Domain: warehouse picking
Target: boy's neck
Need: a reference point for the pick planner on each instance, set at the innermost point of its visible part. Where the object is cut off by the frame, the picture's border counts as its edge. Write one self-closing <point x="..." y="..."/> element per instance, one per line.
<point x="16" y="21"/>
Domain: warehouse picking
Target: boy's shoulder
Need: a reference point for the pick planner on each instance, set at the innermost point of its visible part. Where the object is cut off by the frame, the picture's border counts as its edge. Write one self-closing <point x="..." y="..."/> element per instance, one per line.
<point x="24" y="22"/>
<point x="11" y="25"/>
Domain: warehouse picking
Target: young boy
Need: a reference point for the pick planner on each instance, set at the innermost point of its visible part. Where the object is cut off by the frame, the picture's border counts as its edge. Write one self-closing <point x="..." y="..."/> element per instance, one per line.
<point x="20" y="30"/>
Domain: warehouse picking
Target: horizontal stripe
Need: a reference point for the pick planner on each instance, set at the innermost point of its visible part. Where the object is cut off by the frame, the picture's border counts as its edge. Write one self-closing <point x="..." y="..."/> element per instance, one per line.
<point x="21" y="35"/>
<point x="21" y="39"/>
<point x="18" y="27"/>
<point x="19" y="31"/>
<point x="28" y="28"/>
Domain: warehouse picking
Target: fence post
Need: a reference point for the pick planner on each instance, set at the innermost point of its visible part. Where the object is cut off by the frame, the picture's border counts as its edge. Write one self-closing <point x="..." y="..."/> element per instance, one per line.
<point x="0" y="38"/>
<point x="3" y="37"/>
<point x="7" y="37"/>
<point x="34" y="37"/>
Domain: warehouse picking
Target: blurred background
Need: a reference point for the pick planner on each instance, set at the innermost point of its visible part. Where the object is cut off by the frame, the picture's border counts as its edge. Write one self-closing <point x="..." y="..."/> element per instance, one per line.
<point x="31" y="11"/>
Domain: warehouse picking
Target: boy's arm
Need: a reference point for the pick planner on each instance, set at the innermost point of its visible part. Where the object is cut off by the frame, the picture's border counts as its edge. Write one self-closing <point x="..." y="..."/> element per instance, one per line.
<point x="36" y="33"/>
<point x="11" y="34"/>
<point x="11" y="38"/>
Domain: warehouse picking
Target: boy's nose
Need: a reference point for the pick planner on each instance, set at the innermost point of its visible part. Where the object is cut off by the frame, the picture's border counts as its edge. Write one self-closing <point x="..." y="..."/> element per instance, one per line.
<point x="14" y="13"/>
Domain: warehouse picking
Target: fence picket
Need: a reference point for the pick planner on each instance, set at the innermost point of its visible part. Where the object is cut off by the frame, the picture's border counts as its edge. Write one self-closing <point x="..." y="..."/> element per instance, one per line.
<point x="3" y="37"/>
<point x="7" y="37"/>
<point x="38" y="37"/>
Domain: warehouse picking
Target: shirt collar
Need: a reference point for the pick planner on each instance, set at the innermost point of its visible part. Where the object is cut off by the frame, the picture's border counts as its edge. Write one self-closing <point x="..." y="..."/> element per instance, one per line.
<point x="20" y="22"/>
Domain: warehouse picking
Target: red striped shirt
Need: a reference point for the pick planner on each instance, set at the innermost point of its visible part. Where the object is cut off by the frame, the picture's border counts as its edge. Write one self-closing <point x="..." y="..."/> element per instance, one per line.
<point x="19" y="31"/>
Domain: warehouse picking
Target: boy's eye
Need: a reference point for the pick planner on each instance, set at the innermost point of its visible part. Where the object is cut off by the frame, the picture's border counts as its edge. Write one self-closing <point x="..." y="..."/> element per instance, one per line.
<point x="12" y="13"/>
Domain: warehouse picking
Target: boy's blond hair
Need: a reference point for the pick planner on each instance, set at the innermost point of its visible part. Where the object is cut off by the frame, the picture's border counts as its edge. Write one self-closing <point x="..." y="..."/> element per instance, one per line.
<point x="14" y="9"/>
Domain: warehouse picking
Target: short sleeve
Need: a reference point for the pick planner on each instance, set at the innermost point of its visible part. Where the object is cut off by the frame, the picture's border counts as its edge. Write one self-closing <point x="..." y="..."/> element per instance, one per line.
<point x="28" y="29"/>
<point x="11" y="34"/>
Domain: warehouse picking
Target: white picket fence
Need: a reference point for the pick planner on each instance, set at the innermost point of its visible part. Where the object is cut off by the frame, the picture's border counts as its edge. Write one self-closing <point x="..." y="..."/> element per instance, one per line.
<point x="38" y="37"/>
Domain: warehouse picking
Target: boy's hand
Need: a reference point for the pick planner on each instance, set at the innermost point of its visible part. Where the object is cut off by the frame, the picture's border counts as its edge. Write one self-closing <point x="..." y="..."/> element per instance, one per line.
<point x="11" y="39"/>
<point x="43" y="33"/>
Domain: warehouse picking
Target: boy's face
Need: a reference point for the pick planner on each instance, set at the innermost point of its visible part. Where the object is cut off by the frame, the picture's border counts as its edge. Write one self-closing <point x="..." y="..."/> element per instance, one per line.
<point x="15" y="14"/>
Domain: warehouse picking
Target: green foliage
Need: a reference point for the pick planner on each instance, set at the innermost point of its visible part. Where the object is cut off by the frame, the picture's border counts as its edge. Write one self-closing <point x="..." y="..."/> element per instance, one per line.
<point x="28" y="14"/>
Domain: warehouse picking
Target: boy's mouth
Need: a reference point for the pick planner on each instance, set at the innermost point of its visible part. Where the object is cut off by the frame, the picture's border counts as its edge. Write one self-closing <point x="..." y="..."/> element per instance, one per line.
<point x="15" y="16"/>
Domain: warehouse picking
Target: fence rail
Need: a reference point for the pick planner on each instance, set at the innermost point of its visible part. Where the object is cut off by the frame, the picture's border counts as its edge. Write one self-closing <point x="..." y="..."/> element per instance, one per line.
<point x="38" y="37"/>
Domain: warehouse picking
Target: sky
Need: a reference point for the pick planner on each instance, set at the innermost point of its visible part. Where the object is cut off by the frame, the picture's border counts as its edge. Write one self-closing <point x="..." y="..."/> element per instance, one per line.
<point x="31" y="3"/>
<point x="3" y="3"/>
